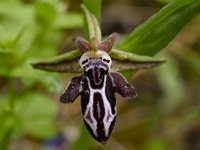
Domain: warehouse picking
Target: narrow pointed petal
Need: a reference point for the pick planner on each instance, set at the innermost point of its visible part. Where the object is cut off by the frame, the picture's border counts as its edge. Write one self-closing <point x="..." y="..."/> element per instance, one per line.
<point x="82" y="44"/>
<point x="92" y="24"/>
<point x="108" y="43"/>
<point x="121" y="85"/>
<point x="72" y="91"/>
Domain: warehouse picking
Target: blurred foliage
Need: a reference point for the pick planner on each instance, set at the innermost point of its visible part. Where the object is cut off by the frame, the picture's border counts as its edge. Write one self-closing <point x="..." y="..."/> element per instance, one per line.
<point x="30" y="31"/>
<point x="164" y="116"/>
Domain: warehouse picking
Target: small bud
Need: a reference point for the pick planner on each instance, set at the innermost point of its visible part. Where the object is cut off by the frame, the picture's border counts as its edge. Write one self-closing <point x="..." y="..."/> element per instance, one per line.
<point x="94" y="44"/>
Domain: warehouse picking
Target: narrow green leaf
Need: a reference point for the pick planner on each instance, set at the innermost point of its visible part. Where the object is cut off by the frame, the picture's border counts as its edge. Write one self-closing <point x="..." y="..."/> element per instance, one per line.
<point x="92" y="24"/>
<point x="160" y="29"/>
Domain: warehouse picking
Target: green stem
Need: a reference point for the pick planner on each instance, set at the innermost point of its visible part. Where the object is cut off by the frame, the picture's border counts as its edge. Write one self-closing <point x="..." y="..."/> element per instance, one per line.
<point x="9" y="118"/>
<point x="84" y="141"/>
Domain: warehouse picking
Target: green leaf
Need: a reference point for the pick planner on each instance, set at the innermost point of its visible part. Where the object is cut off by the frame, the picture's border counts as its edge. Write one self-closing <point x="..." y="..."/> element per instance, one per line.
<point x="93" y="28"/>
<point x="30" y="75"/>
<point x="160" y="29"/>
<point x="45" y="13"/>
<point x="68" y="21"/>
<point x="169" y="79"/>
<point x="156" y="144"/>
<point x="35" y="114"/>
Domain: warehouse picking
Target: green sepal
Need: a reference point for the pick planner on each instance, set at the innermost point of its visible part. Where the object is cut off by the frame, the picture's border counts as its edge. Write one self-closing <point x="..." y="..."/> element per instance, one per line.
<point x="125" y="61"/>
<point x="92" y="24"/>
<point x="67" y="62"/>
<point x="122" y="61"/>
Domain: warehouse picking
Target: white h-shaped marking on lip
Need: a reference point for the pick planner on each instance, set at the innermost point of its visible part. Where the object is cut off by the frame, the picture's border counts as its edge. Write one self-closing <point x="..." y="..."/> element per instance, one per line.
<point x="107" y="109"/>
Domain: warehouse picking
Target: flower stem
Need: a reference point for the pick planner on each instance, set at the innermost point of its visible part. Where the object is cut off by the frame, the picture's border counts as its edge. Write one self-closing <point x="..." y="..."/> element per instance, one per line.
<point x="9" y="120"/>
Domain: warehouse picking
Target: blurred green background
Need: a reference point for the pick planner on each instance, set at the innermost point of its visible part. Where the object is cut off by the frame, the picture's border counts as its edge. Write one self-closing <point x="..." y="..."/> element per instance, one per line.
<point x="164" y="116"/>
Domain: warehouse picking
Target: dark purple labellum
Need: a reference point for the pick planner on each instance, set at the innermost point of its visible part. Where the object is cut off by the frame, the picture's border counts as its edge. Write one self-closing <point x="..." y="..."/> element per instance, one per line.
<point x="97" y="86"/>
